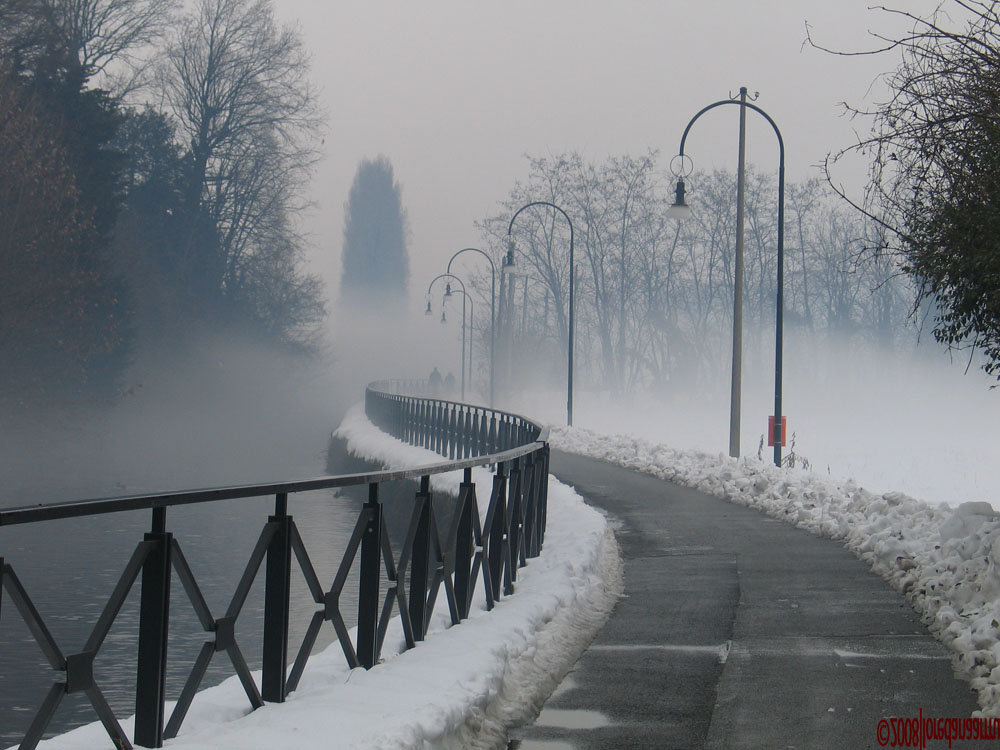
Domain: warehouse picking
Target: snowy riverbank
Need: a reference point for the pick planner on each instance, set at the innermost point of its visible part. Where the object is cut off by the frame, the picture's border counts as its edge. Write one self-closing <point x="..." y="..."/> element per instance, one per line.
<point x="946" y="560"/>
<point x="463" y="686"/>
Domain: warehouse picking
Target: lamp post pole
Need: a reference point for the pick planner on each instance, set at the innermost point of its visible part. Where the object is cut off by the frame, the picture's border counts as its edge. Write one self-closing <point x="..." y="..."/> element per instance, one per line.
<point x="461" y="358"/>
<point x="777" y="435"/>
<point x="569" y="348"/>
<point x="493" y="315"/>
<point x="736" y="387"/>
<point x="472" y="328"/>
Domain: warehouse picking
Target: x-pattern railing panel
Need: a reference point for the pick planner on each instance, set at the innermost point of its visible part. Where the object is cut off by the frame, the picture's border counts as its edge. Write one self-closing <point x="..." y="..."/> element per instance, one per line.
<point x="223" y="628"/>
<point x="470" y="549"/>
<point x="78" y="667"/>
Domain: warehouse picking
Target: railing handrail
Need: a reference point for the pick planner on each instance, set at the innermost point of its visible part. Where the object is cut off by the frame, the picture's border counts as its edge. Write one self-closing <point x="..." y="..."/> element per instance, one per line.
<point x="117" y="504"/>
<point x="97" y="506"/>
<point x="383" y="385"/>
<point x="473" y="549"/>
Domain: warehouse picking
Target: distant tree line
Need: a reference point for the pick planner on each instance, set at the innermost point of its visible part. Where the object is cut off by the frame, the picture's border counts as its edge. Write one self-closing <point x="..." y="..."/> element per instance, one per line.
<point x="654" y="295"/>
<point x="125" y="227"/>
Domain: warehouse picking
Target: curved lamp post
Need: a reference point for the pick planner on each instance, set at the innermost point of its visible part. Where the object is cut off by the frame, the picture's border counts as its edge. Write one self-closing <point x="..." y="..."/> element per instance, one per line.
<point x="510" y="258"/>
<point x="680" y="210"/>
<point x="444" y="319"/>
<point x="493" y="314"/>
<point x="472" y="322"/>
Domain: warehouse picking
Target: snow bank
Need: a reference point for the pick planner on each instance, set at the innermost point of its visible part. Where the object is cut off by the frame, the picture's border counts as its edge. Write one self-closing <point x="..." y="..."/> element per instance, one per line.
<point x="946" y="560"/>
<point x="464" y="686"/>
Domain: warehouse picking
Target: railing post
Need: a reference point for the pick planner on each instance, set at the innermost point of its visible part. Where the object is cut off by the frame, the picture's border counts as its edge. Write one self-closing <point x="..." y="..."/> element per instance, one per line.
<point x="498" y="531"/>
<point x="453" y="449"/>
<point x="530" y="513"/>
<point x="154" y="618"/>
<point x="465" y="545"/>
<point x="420" y="561"/>
<point x="543" y="496"/>
<point x="514" y="529"/>
<point x="426" y="443"/>
<point x="466" y="432"/>
<point x="368" y="596"/>
<point x="277" y="583"/>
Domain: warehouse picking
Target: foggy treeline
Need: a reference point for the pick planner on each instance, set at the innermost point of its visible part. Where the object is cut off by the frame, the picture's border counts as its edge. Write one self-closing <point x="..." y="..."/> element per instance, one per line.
<point x="154" y="162"/>
<point x="654" y="296"/>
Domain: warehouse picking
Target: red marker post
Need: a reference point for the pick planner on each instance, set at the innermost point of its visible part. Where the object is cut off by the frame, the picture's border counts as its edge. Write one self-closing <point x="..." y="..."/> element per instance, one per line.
<point x="777" y="434"/>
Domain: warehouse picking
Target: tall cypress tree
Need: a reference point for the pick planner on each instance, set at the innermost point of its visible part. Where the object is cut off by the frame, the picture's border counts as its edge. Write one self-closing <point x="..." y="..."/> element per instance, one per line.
<point x="375" y="257"/>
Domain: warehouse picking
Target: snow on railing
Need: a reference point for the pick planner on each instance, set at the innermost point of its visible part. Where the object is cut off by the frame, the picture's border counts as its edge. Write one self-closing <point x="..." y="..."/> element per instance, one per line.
<point x="473" y="549"/>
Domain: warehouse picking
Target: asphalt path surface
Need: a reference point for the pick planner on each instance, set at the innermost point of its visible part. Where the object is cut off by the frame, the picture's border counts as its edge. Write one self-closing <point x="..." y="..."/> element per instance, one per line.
<point x="737" y="630"/>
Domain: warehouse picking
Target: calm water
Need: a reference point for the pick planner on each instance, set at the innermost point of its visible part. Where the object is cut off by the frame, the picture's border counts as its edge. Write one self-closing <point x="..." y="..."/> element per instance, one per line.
<point x="69" y="569"/>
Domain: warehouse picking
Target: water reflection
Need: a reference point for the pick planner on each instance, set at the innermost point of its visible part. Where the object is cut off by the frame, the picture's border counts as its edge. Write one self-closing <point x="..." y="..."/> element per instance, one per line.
<point x="70" y="568"/>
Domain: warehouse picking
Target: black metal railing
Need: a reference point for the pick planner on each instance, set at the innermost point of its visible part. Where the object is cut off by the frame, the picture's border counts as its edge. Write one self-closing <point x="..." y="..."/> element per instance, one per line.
<point x="470" y="550"/>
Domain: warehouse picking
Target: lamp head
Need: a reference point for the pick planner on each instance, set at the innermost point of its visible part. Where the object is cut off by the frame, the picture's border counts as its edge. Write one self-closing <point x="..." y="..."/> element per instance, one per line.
<point x="508" y="266"/>
<point x="679" y="209"/>
<point x="428" y="311"/>
<point x="447" y="289"/>
<point x="443" y="318"/>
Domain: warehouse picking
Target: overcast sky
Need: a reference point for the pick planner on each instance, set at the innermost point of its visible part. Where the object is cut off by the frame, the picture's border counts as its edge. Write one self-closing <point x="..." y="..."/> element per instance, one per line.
<point x="455" y="93"/>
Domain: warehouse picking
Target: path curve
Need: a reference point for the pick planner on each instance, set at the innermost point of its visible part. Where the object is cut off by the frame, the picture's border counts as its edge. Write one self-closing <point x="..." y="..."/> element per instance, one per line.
<point x="738" y="630"/>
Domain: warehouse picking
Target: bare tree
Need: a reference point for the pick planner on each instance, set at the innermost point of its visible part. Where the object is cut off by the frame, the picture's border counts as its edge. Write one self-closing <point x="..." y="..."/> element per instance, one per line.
<point x="237" y="86"/>
<point x="654" y="296"/>
<point x="232" y="75"/>
<point x="934" y="153"/>
<point x="107" y="38"/>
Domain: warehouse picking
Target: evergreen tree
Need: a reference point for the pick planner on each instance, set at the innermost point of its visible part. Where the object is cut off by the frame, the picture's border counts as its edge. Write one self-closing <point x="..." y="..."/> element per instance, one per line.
<point x="375" y="259"/>
<point x="65" y="313"/>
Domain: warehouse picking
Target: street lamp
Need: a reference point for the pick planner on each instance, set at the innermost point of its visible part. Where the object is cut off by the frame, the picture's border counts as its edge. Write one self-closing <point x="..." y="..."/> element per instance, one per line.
<point x="510" y="254"/>
<point x="444" y="318"/>
<point x="493" y="312"/>
<point x="448" y="293"/>
<point x="680" y="209"/>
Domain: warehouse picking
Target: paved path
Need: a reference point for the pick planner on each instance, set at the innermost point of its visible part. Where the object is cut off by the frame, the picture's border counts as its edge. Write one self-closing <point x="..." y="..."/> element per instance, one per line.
<point x="738" y="631"/>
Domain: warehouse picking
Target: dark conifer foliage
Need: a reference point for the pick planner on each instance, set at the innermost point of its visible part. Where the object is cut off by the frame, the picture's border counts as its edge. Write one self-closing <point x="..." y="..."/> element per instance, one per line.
<point x="375" y="258"/>
<point x="123" y="233"/>
<point x="65" y="312"/>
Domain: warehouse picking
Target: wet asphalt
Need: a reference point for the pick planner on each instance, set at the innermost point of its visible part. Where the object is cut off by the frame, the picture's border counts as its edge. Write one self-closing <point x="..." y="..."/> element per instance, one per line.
<point x="737" y="630"/>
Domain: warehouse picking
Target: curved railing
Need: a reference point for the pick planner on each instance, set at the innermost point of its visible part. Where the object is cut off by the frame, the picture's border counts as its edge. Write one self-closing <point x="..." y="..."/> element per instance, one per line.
<point x="474" y="549"/>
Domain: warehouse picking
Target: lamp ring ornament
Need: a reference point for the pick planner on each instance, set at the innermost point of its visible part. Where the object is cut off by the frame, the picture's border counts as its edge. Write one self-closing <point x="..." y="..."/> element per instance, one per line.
<point x="681" y="166"/>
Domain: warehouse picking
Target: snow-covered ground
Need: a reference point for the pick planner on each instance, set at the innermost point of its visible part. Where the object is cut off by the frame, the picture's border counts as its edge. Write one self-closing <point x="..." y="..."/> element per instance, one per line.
<point x="919" y="424"/>
<point x="464" y="686"/>
<point x="946" y="560"/>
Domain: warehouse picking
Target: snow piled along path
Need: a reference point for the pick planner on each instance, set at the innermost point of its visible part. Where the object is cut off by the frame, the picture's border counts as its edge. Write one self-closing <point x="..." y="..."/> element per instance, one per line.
<point x="946" y="560"/>
<point x="464" y="686"/>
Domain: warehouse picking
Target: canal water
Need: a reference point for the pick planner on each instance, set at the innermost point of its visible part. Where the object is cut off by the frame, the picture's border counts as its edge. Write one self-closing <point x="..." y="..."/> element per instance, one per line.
<point x="69" y="568"/>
